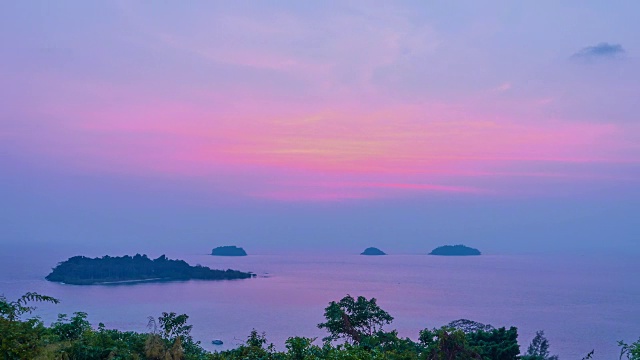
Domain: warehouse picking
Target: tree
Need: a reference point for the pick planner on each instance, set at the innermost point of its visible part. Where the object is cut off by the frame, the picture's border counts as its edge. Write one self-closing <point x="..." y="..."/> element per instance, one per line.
<point x="173" y="330"/>
<point x="539" y="349"/>
<point x="390" y="342"/>
<point x="71" y="329"/>
<point x="454" y="343"/>
<point x="352" y="319"/>
<point x="446" y="344"/>
<point x="253" y="349"/>
<point x="21" y="339"/>
<point x="631" y="351"/>
<point x="13" y="310"/>
<point x="469" y="326"/>
<point x="301" y="348"/>
<point x="497" y="344"/>
<point x="174" y="326"/>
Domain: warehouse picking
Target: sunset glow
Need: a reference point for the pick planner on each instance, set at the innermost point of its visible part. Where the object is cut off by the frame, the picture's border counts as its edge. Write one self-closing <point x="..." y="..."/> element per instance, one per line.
<point x="285" y="106"/>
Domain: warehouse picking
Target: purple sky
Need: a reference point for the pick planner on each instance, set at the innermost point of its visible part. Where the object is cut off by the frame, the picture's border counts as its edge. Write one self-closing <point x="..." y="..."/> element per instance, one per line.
<point x="511" y="126"/>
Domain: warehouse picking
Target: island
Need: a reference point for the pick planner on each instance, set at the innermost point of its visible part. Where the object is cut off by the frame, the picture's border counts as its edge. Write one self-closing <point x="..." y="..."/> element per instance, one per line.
<point x="81" y="270"/>
<point x="455" y="250"/>
<point x="372" y="251"/>
<point x="228" y="251"/>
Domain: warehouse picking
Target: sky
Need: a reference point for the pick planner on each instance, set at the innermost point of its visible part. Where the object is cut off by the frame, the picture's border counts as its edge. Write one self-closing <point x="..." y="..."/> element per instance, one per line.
<point x="320" y="126"/>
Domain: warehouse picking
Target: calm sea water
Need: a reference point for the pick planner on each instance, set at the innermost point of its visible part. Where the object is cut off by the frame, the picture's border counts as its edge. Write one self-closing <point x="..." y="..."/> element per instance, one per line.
<point x="582" y="303"/>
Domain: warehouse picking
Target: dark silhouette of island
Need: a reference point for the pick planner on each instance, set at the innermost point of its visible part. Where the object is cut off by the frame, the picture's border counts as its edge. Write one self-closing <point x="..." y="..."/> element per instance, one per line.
<point x="455" y="250"/>
<point x="372" y="251"/>
<point x="81" y="270"/>
<point x="228" y="251"/>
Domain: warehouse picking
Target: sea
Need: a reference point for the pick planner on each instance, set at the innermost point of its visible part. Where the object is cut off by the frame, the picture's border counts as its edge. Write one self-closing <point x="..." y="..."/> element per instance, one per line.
<point x="582" y="302"/>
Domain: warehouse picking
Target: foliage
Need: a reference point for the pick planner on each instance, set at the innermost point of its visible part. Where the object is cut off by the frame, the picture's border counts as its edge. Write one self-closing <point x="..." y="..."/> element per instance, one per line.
<point x="71" y="329"/>
<point x="469" y="326"/>
<point x="13" y="310"/>
<point x="446" y="343"/>
<point x="589" y="355"/>
<point x="389" y="342"/>
<point x="539" y="349"/>
<point x="301" y="348"/>
<point x="173" y="340"/>
<point x="170" y="338"/>
<point x="21" y="339"/>
<point x="157" y="349"/>
<point x="253" y="349"/>
<point x="100" y="344"/>
<point x="452" y="343"/>
<point x="631" y="351"/>
<point x="80" y="270"/>
<point x="497" y="344"/>
<point x="174" y="326"/>
<point x="74" y="338"/>
<point x="352" y="319"/>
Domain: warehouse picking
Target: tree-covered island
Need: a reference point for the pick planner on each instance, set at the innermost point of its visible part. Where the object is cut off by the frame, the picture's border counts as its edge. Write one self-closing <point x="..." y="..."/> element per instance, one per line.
<point x="455" y="250"/>
<point x="372" y="251"/>
<point x="228" y="251"/>
<point x="81" y="270"/>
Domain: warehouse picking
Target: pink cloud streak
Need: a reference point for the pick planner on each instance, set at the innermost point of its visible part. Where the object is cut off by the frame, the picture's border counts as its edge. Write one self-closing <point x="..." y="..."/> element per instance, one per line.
<point x="415" y="146"/>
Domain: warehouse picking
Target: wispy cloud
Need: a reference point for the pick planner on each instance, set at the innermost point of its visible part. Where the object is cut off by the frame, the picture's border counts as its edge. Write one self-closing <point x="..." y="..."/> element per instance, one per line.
<point x="601" y="50"/>
<point x="307" y="196"/>
<point x="505" y="86"/>
<point x="338" y="190"/>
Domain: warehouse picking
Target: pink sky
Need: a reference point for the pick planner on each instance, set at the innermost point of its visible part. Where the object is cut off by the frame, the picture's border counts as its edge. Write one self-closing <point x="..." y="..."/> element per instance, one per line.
<point x="376" y="101"/>
<point x="507" y="126"/>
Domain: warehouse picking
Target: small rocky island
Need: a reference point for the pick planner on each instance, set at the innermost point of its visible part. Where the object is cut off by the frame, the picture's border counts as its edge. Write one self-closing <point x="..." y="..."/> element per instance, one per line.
<point x="455" y="250"/>
<point x="228" y="251"/>
<point x="372" y="251"/>
<point x="81" y="270"/>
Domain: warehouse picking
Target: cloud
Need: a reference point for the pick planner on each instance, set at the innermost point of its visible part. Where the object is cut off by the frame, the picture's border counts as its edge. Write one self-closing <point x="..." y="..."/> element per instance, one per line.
<point x="506" y="86"/>
<point x="601" y="50"/>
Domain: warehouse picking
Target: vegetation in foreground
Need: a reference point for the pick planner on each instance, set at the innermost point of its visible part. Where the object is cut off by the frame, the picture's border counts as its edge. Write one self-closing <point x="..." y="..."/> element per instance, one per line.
<point x="81" y="270"/>
<point x="355" y="329"/>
